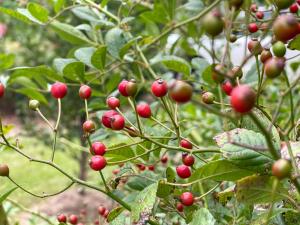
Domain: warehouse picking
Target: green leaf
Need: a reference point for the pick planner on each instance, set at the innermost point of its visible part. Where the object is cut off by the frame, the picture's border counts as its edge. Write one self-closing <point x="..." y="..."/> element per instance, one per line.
<point x="121" y="153"/>
<point x="140" y="183"/>
<point x="115" y="40"/>
<point x="258" y="190"/>
<point x="194" y="5"/>
<point x="114" y="213"/>
<point x="58" y="5"/>
<point x="32" y="94"/>
<point x="206" y="75"/>
<point x="15" y="14"/>
<point x="85" y="55"/>
<point x="99" y="57"/>
<point x="119" y="220"/>
<point x="70" y="68"/>
<point x="295" y="43"/>
<point x="203" y="217"/>
<point x="38" y="11"/>
<point x="220" y="170"/>
<point x="6" y="61"/>
<point x="69" y="33"/>
<point x="143" y="204"/>
<point x="127" y="46"/>
<point x="200" y="64"/>
<point x="6" y="194"/>
<point x="26" y="13"/>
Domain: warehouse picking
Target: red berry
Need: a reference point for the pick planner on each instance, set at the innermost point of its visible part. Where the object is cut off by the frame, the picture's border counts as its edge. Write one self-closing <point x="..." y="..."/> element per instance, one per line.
<point x="254" y="46"/>
<point x="227" y="87"/>
<point x="253" y="8"/>
<point x="96" y="222"/>
<point x="4" y="170"/>
<point x="243" y="98"/>
<point x="260" y="15"/>
<point x="85" y="92"/>
<point x="265" y="55"/>
<point x="151" y="167"/>
<point x="159" y="88"/>
<point x="281" y="168"/>
<point x="286" y="27"/>
<point x="97" y="162"/>
<point x="187" y="198"/>
<point x="188" y="160"/>
<point x="274" y="67"/>
<point x="107" y="117"/>
<point x="298" y="1"/>
<point x="131" y="87"/>
<point x="116" y="171"/>
<point x="113" y="102"/>
<point x="181" y="91"/>
<point x="252" y="27"/>
<point x="142" y="167"/>
<point x="122" y="88"/>
<point x="117" y="122"/>
<point x="183" y="171"/>
<point x="88" y="126"/>
<point x="164" y="159"/>
<point x="186" y="144"/>
<point x="106" y="213"/>
<point x="98" y="148"/>
<point x="179" y="207"/>
<point x="294" y="8"/>
<point x="73" y="219"/>
<point x="62" y="218"/>
<point x="2" y="90"/>
<point x="59" y="90"/>
<point x="144" y="110"/>
<point x="101" y="210"/>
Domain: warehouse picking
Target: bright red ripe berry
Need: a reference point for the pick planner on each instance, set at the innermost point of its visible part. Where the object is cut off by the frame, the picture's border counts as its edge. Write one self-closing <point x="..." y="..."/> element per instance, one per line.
<point x="97" y="162"/>
<point x="274" y="67"/>
<point x="298" y="1"/>
<point x="62" y="218"/>
<point x="164" y="159"/>
<point x="253" y="8"/>
<point x="106" y="213"/>
<point x="85" y="92"/>
<point x="186" y="144"/>
<point x="181" y="91"/>
<point x="183" y="171"/>
<point x="187" y="198"/>
<point x="260" y="15"/>
<point x="101" y="210"/>
<point x="294" y="8"/>
<point x="89" y="126"/>
<point x="252" y="27"/>
<point x="243" y="98"/>
<point x="117" y="122"/>
<point x="179" y="207"/>
<point x="151" y="167"/>
<point x="144" y="110"/>
<point x="113" y="102"/>
<point x="122" y="88"/>
<point x="73" y="219"/>
<point x="98" y="148"/>
<point x="141" y="167"/>
<point x="159" y="88"/>
<point x="227" y="87"/>
<point x="59" y="90"/>
<point x="286" y="27"/>
<point x="188" y="160"/>
<point x="107" y="117"/>
<point x="2" y="90"/>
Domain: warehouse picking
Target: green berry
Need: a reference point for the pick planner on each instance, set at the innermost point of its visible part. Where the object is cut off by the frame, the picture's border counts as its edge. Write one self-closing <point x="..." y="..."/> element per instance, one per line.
<point x="34" y="104"/>
<point x="279" y="49"/>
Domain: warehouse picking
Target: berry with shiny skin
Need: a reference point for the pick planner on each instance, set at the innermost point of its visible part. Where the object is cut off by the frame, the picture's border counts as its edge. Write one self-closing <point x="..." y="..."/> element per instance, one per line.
<point x="283" y="4"/>
<point x="281" y="169"/>
<point x="34" y="105"/>
<point x="279" y="49"/>
<point x="186" y="144"/>
<point x="294" y="8"/>
<point x="59" y="90"/>
<point x="107" y="117"/>
<point x="236" y="72"/>
<point x="2" y="90"/>
<point x="144" y="110"/>
<point x="183" y="171"/>
<point x="254" y="46"/>
<point x="73" y="219"/>
<point x="252" y="27"/>
<point x="218" y="73"/>
<point x="105" y="215"/>
<point x="188" y="160"/>
<point x="98" y="148"/>
<point x="113" y="102"/>
<point x="179" y="207"/>
<point x="141" y="167"/>
<point x="242" y="98"/>
<point x="227" y="87"/>
<point x="253" y="8"/>
<point x="274" y="67"/>
<point x="265" y="55"/>
<point x="97" y="162"/>
<point x="151" y="167"/>
<point x="131" y="87"/>
<point x="101" y="210"/>
<point x="62" y="218"/>
<point x="164" y="159"/>
<point x="181" y="92"/>
<point x="187" y="198"/>
<point x="213" y="23"/>
<point x="208" y="97"/>
<point x="85" y="92"/>
<point x="89" y="127"/>
<point x="286" y="27"/>
<point x="4" y="170"/>
<point x="122" y="88"/>
<point x="117" y="122"/>
<point x="159" y="88"/>
<point x="232" y="38"/>
<point x="260" y="15"/>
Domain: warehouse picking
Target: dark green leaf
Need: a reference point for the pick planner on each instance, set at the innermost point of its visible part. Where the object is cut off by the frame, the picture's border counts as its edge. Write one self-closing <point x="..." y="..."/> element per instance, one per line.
<point x="6" y="194"/>
<point x="85" y="55"/>
<point x="70" y="68"/>
<point x="203" y="217"/>
<point x="99" y="57"/>
<point x="114" y="213"/>
<point x="32" y="94"/>
<point x="115" y="40"/>
<point x="295" y="43"/>
<point x="207" y="75"/>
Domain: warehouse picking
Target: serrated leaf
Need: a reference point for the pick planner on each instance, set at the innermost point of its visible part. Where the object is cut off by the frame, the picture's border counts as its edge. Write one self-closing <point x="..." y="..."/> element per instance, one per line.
<point x="258" y="190"/>
<point x="295" y="43"/>
<point x="6" y="194"/>
<point x="38" y="11"/>
<point x="143" y="204"/>
<point x="15" y="14"/>
<point x="98" y="59"/>
<point x="114" y="213"/>
<point x="115" y="40"/>
<point x="70" y="68"/>
<point x="203" y="217"/>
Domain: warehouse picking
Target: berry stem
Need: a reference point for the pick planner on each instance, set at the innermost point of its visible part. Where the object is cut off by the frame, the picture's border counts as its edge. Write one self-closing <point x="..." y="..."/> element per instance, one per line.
<point x="127" y="120"/>
<point x="208" y="192"/>
<point x="104" y="181"/>
<point x="44" y="118"/>
<point x="58" y="114"/>
<point x="259" y="79"/>
<point x="86" y="109"/>
<point x="54" y="145"/>
<point x="133" y="105"/>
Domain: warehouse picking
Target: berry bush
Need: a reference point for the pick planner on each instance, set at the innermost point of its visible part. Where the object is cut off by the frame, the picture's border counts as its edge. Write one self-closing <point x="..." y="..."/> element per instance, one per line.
<point x="194" y="104"/>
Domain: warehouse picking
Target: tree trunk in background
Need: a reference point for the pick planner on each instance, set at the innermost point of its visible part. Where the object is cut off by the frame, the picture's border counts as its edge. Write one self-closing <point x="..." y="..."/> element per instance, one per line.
<point x="83" y="156"/>
<point x="3" y="218"/>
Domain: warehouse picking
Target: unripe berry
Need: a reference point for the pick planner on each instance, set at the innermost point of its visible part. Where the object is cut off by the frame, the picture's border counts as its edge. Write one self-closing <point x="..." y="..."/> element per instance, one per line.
<point x="188" y="160"/>
<point x="4" y="170"/>
<point x="97" y="162"/>
<point x="227" y="87"/>
<point x="73" y="219"/>
<point x="232" y="38"/>
<point x="281" y="169"/>
<point x="98" y="148"/>
<point x="122" y="88"/>
<point x="294" y="8"/>
<point x="107" y="117"/>
<point x="116" y="171"/>
<point x="59" y="90"/>
<point x="285" y="27"/>
<point x="254" y="46"/>
<point x="253" y="8"/>
<point x="265" y="55"/>
<point x="34" y="104"/>
<point x="131" y="87"/>
<point x="89" y="127"/>
<point x="113" y="102"/>
<point x="236" y="72"/>
<point x="143" y="110"/>
<point x="208" y="97"/>
<point x="101" y="210"/>
<point x="159" y="88"/>
<point x="260" y="15"/>
<point x="179" y="207"/>
<point x="279" y="49"/>
<point x="243" y="98"/>
<point x="183" y="171"/>
<point x="62" y="218"/>
<point x="274" y="67"/>
<point x="252" y="27"/>
<point x="186" y="144"/>
<point x="85" y="92"/>
<point x="181" y="91"/>
<point x="2" y="90"/>
<point x="283" y="4"/>
<point x="218" y="73"/>
<point x="187" y="198"/>
<point x="117" y="122"/>
<point x="213" y="23"/>
<point x="164" y="159"/>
